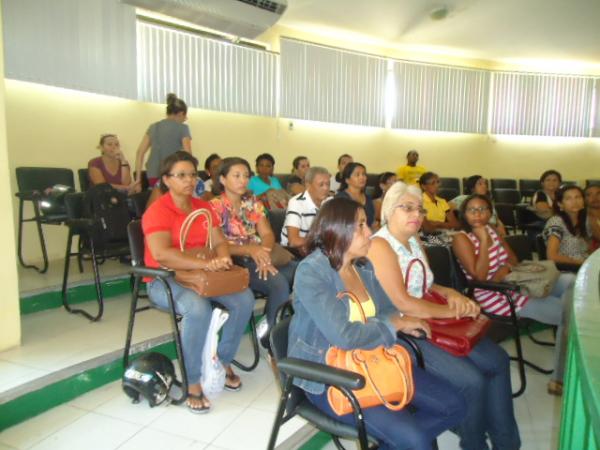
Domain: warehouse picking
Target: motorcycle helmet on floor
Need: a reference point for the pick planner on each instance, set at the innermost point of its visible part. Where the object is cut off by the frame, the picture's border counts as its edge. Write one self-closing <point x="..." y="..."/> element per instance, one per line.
<point x="150" y="376"/>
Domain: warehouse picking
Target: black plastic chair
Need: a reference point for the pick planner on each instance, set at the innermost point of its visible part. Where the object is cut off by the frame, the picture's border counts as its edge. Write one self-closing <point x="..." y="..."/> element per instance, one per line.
<point x="439" y="259"/>
<point x="568" y="183"/>
<point x="139" y="202"/>
<point x="540" y="245"/>
<point x="511" y="323"/>
<point x="592" y="182"/>
<point x="527" y="187"/>
<point x="450" y="183"/>
<point x="503" y="183"/>
<point x="448" y="193"/>
<point x="84" y="179"/>
<point x="31" y="182"/>
<point x="506" y="214"/>
<point x="511" y="196"/>
<point x="293" y="400"/>
<point x="139" y="271"/>
<point x="87" y="248"/>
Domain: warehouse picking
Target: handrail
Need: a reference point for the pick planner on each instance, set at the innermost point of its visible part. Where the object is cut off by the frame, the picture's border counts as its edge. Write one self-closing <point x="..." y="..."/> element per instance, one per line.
<point x="580" y="423"/>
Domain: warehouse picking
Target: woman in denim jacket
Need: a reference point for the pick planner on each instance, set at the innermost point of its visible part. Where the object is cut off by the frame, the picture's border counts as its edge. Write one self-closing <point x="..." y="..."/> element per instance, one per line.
<point x="338" y="242"/>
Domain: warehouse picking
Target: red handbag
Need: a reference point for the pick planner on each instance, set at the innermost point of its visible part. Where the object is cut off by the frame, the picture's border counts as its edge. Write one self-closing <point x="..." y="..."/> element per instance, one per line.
<point x="456" y="336"/>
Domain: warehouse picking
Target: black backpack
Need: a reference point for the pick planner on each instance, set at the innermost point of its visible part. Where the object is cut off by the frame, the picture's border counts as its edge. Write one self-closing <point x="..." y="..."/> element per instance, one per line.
<point x="107" y="207"/>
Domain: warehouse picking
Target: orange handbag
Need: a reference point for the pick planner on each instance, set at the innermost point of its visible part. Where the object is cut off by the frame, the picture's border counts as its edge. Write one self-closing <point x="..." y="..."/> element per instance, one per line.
<point x="204" y="282"/>
<point x="387" y="372"/>
<point x="456" y="336"/>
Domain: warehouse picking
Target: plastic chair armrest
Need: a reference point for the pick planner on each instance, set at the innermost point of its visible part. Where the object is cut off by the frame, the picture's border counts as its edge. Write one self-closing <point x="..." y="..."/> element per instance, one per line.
<point x="144" y="271"/>
<point x="321" y="373"/>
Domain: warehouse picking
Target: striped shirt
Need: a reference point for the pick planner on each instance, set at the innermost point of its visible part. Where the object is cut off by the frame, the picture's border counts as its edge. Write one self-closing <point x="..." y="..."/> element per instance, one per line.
<point x="494" y="302"/>
<point x="300" y="213"/>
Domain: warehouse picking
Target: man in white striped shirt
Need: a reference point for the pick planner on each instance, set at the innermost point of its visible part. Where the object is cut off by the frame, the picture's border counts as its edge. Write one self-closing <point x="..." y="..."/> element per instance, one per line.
<point x="303" y="208"/>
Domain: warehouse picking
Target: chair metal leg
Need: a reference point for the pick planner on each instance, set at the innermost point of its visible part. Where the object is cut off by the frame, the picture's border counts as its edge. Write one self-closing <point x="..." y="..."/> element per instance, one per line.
<point x="537" y="341"/>
<point x="79" y="255"/>
<point x="178" y="346"/>
<point x="280" y="412"/>
<point x="254" y="340"/>
<point x="40" y="234"/>
<point x="132" y="311"/>
<point x="97" y="282"/>
<point x="519" y="358"/>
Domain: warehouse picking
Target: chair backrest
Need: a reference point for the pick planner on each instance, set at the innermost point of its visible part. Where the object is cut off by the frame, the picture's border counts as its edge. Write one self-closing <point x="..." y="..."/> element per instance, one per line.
<point x="540" y="246"/>
<point x="40" y="178"/>
<point x="450" y="183"/>
<point x="503" y="183"/>
<point x="511" y="196"/>
<point x="372" y="179"/>
<point x="279" y="348"/>
<point x="506" y="214"/>
<point x="520" y="245"/>
<point x="592" y="182"/>
<point x="203" y="175"/>
<point x="527" y="187"/>
<point x="74" y="205"/>
<point x="276" y="219"/>
<point x="84" y="179"/>
<point x="136" y="242"/>
<point x="284" y="178"/>
<point x="448" y="193"/>
<point x="441" y="264"/>
<point x="569" y="183"/>
<point x="140" y="200"/>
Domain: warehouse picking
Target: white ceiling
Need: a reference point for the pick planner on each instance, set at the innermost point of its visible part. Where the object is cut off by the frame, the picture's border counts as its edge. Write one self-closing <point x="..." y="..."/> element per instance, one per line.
<point x="496" y="30"/>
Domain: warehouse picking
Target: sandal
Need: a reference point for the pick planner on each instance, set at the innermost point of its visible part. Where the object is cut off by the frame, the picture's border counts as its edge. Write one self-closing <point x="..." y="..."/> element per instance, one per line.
<point x="202" y="408"/>
<point x="555" y="388"/>
<point x="233" y="382"/>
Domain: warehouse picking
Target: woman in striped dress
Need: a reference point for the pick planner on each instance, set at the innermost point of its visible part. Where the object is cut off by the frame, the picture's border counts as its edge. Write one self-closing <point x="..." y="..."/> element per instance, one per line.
<point x="485" y="256"/>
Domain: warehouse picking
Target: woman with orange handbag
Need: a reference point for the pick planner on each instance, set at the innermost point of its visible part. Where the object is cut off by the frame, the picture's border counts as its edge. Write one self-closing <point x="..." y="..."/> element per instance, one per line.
<point x="338" y="242"/>
<point x="483" y="376"/>
<point x="161" y="225"/>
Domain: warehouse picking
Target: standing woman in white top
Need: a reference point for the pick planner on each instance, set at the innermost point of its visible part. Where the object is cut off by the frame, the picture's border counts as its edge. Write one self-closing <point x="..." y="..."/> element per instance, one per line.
<point x="164" y="138"/>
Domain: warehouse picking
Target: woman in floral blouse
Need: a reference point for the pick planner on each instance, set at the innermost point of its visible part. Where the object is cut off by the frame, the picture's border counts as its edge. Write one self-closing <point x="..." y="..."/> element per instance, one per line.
<point x="245" y="225"/>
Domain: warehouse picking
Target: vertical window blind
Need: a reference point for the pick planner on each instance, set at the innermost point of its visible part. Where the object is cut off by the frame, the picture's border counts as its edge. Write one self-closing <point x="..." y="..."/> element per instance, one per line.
<point x="331" y="85"/>
<point x="204" y="72"/>
<point x="87" y="45"/>
<point x="541" y="104"/>
<point x="440" y="98"/>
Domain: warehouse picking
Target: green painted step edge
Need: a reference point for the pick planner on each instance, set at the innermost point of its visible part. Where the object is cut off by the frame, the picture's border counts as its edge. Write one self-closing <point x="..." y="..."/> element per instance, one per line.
<point x="317" y="442"/>
<point x="37" y="402"/>
<point x="76" y="294"/>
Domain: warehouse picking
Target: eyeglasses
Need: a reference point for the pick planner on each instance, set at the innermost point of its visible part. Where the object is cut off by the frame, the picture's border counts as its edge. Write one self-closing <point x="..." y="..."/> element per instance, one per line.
<point x="183" y="175"/>
<point x="480" y="210"/>
<point x="408" y="208"/>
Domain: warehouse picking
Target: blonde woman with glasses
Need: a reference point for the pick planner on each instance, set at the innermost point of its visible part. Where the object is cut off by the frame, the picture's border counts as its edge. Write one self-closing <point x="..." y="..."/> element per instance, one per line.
<point x="483" y="376"/>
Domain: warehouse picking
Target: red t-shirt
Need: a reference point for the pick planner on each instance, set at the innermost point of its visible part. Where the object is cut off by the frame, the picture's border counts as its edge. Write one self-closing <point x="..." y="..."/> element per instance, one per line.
<point x="163" y="215"/>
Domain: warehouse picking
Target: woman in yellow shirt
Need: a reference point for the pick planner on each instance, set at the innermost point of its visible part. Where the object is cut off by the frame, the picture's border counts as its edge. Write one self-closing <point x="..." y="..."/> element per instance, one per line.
<point x="439" y="215"/>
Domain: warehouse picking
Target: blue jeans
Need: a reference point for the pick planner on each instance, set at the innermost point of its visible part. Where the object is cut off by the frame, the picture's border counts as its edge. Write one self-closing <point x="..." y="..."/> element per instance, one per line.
<point x="554" y="310"/>
<point x="483" y="377"/>
<point x="276" y="288"/>
<point x="196" y="312"/>
<point x="438" y="408"/>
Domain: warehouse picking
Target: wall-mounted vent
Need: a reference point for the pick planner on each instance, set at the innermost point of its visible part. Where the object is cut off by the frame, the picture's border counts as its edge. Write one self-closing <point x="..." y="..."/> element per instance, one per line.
<point x="243" y="18"/>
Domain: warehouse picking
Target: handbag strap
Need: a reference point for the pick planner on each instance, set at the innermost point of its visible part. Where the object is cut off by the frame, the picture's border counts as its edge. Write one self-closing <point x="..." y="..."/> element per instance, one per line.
<point x="187" y="225"/>
<point x="356" y="301"/>
<point x="392" y="406"/>
<point x="411" y="263"/>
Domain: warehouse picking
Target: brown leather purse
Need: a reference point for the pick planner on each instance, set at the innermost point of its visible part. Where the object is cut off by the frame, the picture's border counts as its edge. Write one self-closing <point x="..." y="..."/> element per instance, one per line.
<point x="456" y="336"/>
<point x="204" y="282"/>
<point x="387" y="371"/>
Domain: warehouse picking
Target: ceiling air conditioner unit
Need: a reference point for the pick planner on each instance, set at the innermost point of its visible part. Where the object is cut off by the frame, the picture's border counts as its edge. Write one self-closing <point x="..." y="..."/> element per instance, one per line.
<point x="243" y="18"/>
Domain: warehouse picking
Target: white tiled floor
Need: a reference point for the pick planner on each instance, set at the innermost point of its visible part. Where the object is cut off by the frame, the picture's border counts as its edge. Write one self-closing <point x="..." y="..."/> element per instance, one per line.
<point x="105" y="419"/>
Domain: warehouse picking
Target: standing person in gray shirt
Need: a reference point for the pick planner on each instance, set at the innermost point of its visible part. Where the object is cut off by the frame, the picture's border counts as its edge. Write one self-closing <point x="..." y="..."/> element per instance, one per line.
<point x="165" y="138"/>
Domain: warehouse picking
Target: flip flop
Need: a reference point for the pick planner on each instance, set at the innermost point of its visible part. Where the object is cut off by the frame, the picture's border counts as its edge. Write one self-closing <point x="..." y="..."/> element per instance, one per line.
<point x="229" y="386"/>
<point x="202" y="408"/>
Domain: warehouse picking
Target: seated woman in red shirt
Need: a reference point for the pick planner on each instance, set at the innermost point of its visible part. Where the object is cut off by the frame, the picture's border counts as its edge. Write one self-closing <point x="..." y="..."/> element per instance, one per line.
<point x="112" y="167"/>
<point x="161" y="224"/>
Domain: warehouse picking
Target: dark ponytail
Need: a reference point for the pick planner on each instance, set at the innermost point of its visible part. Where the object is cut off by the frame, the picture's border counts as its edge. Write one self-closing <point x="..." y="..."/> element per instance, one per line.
<point x="175" y="105"/>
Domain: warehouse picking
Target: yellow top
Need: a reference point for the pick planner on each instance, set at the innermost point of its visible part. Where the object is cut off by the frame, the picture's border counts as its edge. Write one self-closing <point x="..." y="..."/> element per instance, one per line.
<point x="436" y="210"/>
<point x="409" y="174"/>
<point x="367" y="306"/>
